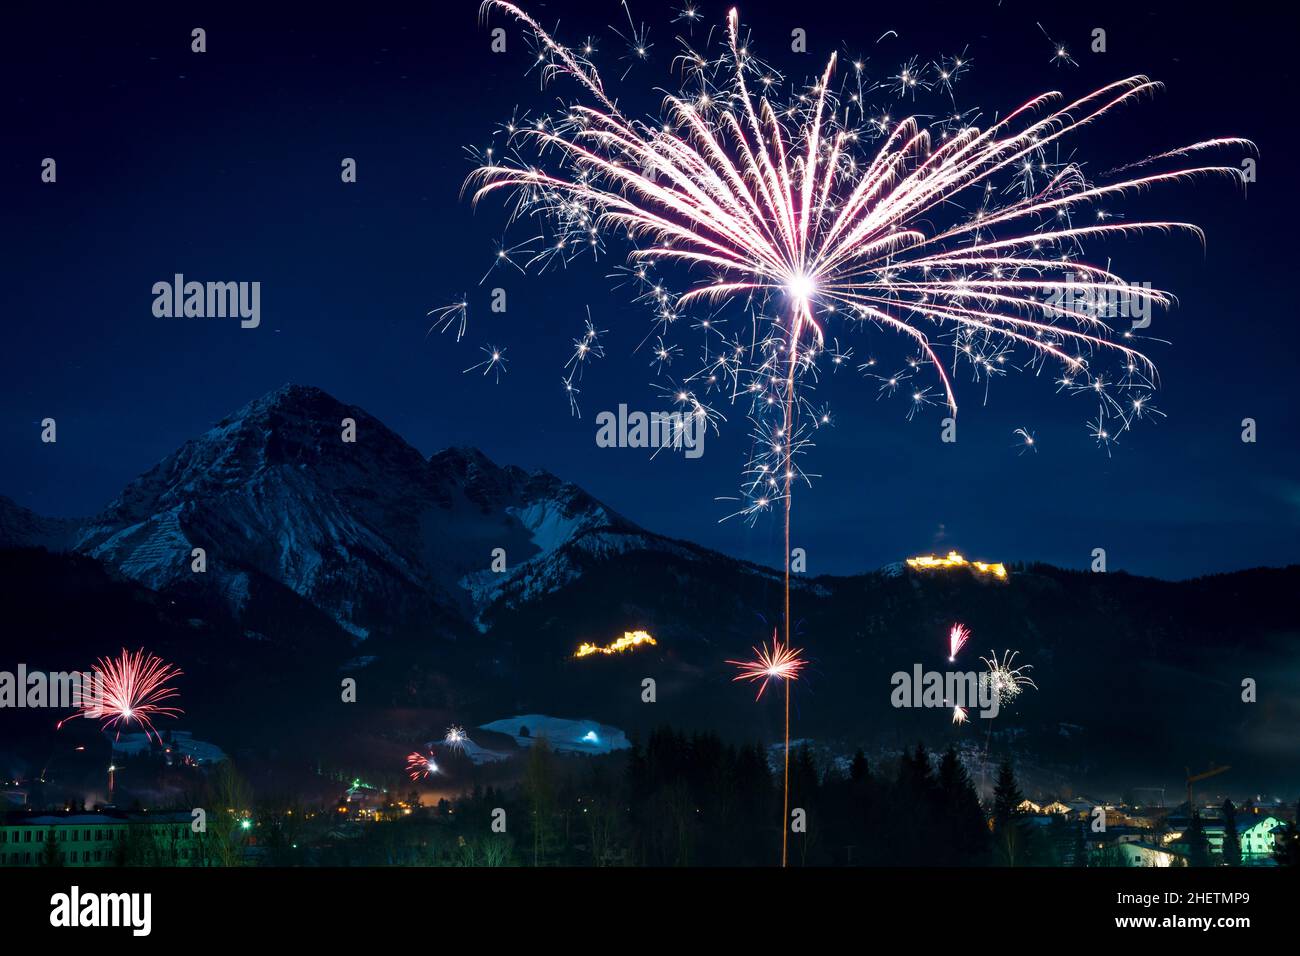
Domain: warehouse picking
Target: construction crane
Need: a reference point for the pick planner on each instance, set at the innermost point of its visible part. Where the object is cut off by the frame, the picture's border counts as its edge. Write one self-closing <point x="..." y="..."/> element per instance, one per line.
<point x="1194" y="778"/>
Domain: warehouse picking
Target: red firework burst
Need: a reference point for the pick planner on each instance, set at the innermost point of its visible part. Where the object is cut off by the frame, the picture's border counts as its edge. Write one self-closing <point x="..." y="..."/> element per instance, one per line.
<point x="781" y="662"/>
<point x="420" y="765"/>
<point x="130" y="688"/>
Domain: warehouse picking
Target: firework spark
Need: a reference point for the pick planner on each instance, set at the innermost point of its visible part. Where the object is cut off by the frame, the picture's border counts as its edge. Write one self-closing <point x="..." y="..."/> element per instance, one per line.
<point x="1007" y="681"/>
<point x="1026" y="440"/>
<point x="777" y="197"/>
<point x="128" y="689"/>
<point x="421" y="766"/>
<point x="781" y="663"/>
<point x="456" y="314"/>
<point x="495" y="363"/>
<point x="957" y="638"/>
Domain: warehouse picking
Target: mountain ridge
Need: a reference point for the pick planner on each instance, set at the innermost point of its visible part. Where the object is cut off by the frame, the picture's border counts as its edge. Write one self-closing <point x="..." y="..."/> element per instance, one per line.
<point x="315" y="546"/>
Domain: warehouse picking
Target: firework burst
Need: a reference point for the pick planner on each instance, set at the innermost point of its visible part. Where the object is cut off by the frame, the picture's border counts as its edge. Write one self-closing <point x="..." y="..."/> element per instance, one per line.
<point x="779" y="663"/>
<point x="421" y="766"/>
<point x="456" y="737"/>
<point x="807" y="208"/>
<point x="1007" y="680"/>
<point x="803" y="207"/>
<point x="957" y="638"/>
<point x="128" y="689"/>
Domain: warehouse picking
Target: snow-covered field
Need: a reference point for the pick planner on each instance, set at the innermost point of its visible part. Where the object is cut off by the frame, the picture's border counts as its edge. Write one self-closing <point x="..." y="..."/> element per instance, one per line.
<point x="481" y="755"/>
<point x="563" y="734"/>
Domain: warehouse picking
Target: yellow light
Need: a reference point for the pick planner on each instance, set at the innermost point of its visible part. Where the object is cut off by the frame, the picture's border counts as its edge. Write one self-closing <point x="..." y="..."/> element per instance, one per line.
<point x="629" y="640"/>
<point x="955" y="560"/>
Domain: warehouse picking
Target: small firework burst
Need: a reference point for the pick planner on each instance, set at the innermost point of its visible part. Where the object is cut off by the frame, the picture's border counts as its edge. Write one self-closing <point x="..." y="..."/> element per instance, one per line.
<point x="781" y="662"/>
<point x="494" y="364"/>
<point x="1007" y="681"/>
<point x="1025" y="440"/>
<point x="959" y="715"/>
<point x="957" y="638"/>
<point x="455" y="738"/>
<point x="421" y="765"/>
<point x="456" y="314"/>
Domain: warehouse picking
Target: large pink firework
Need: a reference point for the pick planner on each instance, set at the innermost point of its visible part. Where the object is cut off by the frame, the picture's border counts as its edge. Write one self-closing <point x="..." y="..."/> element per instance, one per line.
<point x="964" y="240"/>
<point x="782" y="203"/>
<point x="128" y="689"/>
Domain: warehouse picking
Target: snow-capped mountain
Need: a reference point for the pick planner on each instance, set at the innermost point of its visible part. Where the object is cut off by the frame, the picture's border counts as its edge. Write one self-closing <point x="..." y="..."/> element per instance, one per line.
<point x="301" y="529"/>
<point x="369" y="531"/>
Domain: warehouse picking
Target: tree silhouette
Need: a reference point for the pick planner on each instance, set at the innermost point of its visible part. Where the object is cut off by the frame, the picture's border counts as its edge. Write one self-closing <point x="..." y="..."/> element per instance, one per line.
<point x="1008" y="822"/>
<point x="1231" y="842"/>
<point x="1198" y="847"/>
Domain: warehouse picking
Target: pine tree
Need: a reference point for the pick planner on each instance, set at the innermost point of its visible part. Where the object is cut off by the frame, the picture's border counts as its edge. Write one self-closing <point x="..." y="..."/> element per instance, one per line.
<point x="539" y="783"/>
<point x="1198" y="847"/>
<point x="859" y="771"/>
<point x="1231" y="842"/>
<point x="1008" y="829"/>
<point x="962" y="818"/>
<point x="1006" y="796"/>
<point x="1286" y="845"/>
<point x="50" y="855"/>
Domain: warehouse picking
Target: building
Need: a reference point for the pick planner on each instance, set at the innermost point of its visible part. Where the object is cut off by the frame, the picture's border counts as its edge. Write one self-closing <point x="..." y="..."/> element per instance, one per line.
<point x="98" y="839"/>
<point x="1257" y="838"/>
<point x="1256" y="834"/>
<point x="176" y="747"/>
<point x="1139" y="853"/>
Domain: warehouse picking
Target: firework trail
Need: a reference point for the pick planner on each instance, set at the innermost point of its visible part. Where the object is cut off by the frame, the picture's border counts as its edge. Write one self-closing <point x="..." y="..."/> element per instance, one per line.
<point x="1007" y="682"/>
<point x="783" y="664"/>
<point x="421" y="766"/>
<point x="957" y="639"/>
<point x="127" y="689"/>
<point x="804" y="209"/>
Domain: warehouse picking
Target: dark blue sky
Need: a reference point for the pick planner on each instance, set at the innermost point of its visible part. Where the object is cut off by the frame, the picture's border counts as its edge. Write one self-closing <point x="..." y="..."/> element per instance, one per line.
<point x="225" y="166"/>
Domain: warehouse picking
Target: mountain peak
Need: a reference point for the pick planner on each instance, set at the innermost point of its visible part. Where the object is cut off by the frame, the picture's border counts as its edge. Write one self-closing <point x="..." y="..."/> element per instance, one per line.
<point x="356" y="521"/>
<point x="289" y="396"/>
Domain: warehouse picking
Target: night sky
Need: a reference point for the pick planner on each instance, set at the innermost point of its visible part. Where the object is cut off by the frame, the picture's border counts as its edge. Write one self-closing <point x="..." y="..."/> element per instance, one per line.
<point x="225" y="166"/>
